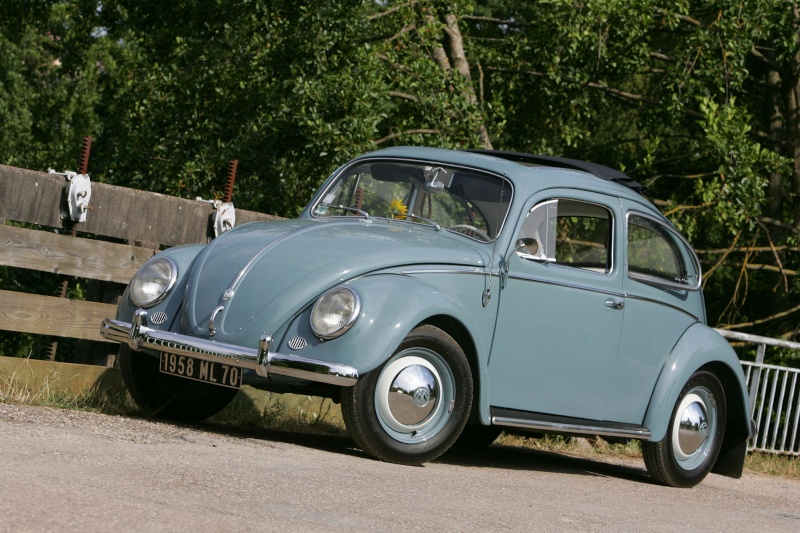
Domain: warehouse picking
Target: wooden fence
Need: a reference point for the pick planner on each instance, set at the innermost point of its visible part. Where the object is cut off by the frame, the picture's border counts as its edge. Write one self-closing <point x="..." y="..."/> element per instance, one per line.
<point x="124" y="227"/>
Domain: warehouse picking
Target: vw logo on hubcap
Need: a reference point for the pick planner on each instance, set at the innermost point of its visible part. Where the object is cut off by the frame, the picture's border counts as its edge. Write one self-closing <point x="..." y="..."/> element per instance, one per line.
<point x="421" y="396"/>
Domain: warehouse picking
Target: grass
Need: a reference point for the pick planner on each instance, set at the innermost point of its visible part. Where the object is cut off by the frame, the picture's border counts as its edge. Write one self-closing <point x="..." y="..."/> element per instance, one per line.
<point x="308" y="414"/>
<point x="47" y="393"/>
<point x="764" y="463"/>
<point x="774" y="465"/>
<point x="557" y="443"/>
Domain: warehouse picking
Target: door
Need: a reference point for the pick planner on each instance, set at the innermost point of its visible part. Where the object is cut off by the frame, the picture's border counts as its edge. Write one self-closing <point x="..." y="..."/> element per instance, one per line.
<point x="662" y="281"/>
<point x="561" y="312"/>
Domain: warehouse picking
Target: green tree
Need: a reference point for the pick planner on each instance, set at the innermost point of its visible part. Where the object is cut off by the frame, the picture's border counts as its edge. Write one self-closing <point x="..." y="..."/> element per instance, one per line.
<point x="695" y="98"/>
<point x="687" y="97"/>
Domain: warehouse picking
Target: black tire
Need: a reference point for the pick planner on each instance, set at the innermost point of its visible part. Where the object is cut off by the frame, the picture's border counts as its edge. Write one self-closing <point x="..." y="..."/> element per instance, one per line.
<point x="164" y="396"/>
<point x="415" y="424"/>
<point x="477" y="436"/>
<point x="689" y="450"/>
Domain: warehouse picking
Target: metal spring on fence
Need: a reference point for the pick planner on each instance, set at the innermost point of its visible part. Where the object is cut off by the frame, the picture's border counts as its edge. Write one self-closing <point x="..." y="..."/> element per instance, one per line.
<point x="228" y="191"/>
<point x="83" y="168"/>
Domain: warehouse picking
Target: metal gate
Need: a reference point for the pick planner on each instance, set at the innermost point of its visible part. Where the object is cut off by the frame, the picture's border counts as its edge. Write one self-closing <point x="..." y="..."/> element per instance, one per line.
<point x="774" y="397"/>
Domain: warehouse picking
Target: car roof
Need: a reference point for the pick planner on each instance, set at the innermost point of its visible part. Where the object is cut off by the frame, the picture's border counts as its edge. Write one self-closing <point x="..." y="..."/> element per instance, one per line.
<point x="601" y="171"/>
<point x="548" y="172"/>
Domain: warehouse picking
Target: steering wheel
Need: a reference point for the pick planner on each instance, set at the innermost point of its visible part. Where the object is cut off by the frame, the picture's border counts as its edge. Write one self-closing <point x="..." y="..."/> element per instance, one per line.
<point x="471" y="229"/>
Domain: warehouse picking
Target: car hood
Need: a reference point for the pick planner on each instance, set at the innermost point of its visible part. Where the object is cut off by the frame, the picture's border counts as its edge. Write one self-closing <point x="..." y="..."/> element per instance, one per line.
<point x="257" y="276"/>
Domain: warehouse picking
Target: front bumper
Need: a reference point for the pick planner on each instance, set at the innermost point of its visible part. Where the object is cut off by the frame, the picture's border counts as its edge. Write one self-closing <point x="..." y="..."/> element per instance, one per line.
<point x="138" y="336"/>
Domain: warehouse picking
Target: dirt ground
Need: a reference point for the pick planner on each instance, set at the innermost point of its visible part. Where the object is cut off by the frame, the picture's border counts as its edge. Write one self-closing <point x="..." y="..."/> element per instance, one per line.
<point x="76" y="471"/>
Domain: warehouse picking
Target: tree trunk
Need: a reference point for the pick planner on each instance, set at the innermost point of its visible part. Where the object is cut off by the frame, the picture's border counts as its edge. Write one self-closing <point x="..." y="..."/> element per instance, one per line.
<point x="795" y="128"/>
<point x="777" y="135"/>
<point x="458" y="61"/>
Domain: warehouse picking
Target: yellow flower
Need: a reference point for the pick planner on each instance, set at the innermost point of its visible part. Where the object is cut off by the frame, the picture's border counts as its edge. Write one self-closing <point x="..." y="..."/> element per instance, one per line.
<point x="397" y="209"/>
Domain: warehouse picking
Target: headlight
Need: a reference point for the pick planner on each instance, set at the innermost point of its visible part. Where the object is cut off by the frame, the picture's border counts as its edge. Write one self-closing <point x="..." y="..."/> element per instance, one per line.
<point x="153" y="281"/>
<point x="335" y="312"/>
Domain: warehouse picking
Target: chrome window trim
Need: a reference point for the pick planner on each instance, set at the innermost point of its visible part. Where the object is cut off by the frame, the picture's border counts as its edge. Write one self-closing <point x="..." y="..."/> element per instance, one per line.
<point x="312" y="209"/>
<point x="653" y="280"/>
<point x="609" y="248"/>
<point x="173" y="278"/>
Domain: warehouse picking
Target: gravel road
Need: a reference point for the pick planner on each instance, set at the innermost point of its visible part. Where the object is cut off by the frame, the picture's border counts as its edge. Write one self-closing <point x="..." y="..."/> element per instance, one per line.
<point x="74" y="471"/>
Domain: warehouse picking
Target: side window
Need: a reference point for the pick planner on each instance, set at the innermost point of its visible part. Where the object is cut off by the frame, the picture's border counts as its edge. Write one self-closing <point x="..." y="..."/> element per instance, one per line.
<point x="656" y="253"/>
<point x="568" y="232"/>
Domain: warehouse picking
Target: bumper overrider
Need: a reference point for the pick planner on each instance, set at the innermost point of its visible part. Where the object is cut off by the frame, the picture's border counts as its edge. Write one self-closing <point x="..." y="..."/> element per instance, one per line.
<point x="138" y="336"/>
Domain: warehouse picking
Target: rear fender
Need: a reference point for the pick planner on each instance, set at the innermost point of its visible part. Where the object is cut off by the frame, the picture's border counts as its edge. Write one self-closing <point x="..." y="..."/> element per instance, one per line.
<point x="702" y="348"/>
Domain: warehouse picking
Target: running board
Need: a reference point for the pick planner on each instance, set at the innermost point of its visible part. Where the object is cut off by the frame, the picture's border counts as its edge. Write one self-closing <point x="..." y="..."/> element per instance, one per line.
<point x="564" y="424"/>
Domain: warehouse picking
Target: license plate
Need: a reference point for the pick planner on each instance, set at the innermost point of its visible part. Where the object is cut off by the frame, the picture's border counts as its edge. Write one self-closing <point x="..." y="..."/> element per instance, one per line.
<point x="199" y="370"/>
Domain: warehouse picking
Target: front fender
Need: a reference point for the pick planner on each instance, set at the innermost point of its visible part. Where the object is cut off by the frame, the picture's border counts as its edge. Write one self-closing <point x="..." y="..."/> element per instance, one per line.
<point x="699" y="347"/>
<point x="391" y="306"/>
<point x="184" y="257"/>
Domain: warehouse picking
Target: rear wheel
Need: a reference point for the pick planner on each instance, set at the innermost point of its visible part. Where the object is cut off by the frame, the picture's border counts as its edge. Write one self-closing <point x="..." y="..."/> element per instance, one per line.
<point x="694" y="436"/>
<point x="168" y="396"/>
<point x="412" y="408"/>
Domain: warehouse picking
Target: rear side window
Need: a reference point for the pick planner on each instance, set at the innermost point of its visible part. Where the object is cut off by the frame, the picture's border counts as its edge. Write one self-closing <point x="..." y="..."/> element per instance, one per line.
<point x="657" y="254"/>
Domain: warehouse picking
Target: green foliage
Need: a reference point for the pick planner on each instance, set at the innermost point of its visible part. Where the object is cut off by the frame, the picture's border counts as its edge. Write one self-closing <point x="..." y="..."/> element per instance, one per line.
<point x="693" y="98"/>
<point x="737" y="189"/>
<point x="50" y="77"/>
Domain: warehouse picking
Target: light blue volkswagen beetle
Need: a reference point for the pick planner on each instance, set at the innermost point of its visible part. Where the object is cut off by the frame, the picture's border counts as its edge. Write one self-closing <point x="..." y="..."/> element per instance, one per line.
<point x="442" y="296"/>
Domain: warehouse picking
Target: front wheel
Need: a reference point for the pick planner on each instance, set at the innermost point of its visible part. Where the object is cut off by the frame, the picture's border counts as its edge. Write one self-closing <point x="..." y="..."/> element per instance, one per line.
<point x="168" y="396"/>
<point x="690" y="449"/>
<point x="412" y="408"/>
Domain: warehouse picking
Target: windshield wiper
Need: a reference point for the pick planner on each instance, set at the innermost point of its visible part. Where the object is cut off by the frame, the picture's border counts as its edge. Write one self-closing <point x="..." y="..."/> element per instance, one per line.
<point x="356" y="210"/>
<point x="415" y="217"/>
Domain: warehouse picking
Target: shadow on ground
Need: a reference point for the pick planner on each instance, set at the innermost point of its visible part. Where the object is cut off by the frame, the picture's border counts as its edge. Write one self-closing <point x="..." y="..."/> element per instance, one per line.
<point x="495" y="456"/>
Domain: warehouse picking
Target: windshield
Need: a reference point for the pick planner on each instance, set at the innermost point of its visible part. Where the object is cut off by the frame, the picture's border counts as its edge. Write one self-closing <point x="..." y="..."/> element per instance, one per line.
<point x="464" y="201"/>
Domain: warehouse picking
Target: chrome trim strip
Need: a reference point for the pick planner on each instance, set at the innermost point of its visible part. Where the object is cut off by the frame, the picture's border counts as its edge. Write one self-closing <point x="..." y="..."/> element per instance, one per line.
<point x="138" y="336"/>
<point x="446" y="271"/>
<point x="566" y="284"/>
<point x="665" y="304"/>
<point x="231" y="290"/>
<point x="600" y="291"/>
<point x="642" y="433"/>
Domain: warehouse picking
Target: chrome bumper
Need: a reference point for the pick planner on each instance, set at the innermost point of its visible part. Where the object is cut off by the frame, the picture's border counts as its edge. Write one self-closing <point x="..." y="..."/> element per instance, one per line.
<point x="138" y="336"/>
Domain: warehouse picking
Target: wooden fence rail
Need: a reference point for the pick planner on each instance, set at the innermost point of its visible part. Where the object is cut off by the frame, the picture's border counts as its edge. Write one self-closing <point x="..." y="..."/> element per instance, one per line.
<point x="140" y="222"/>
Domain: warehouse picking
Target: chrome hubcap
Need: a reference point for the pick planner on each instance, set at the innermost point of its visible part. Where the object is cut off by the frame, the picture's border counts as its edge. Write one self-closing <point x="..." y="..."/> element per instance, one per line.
<point x="413" y="395"/>
<point x="694" y="428"/>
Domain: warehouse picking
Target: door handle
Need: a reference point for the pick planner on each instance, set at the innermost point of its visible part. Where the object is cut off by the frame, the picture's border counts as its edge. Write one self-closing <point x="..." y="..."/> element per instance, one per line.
<point x="612" y="303"/>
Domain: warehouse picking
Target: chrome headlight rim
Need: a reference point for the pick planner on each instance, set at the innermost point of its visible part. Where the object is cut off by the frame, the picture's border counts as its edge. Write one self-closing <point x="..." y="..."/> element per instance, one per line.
<point x="171" y="281"/>
<point x="345" y="327"/>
